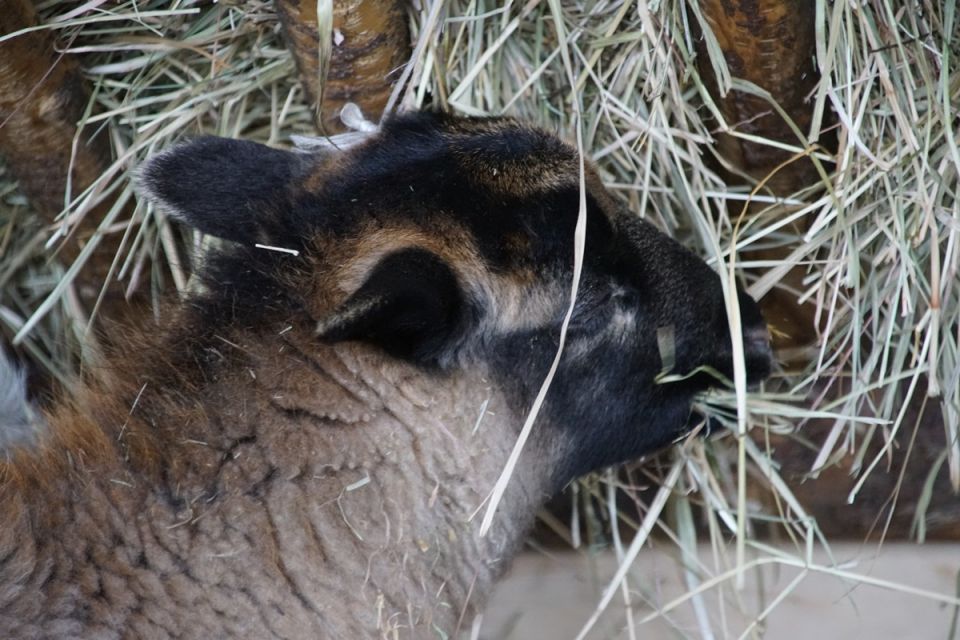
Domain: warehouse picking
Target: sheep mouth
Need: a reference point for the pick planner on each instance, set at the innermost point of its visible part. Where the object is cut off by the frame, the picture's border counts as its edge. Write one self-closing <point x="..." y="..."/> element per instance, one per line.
<point x="719" y="371"/>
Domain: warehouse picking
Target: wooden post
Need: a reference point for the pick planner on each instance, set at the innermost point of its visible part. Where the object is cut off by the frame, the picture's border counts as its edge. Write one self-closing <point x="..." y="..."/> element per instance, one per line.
<point x="43" y="97"/>
<point x="371" y="42"/>
<point x="771" y="44"/>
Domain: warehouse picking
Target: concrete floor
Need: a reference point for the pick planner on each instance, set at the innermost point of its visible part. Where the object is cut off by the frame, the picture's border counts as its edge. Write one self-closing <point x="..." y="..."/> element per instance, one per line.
<point x="551" y="598"/>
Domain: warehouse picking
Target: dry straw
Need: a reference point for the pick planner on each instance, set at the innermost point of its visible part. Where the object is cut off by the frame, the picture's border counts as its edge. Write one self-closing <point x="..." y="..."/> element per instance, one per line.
<point x="880" y="250"/>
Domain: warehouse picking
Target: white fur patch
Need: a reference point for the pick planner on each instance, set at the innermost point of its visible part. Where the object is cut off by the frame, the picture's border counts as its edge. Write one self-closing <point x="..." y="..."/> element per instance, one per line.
<point x="623" y="324"/>
<point x="338" y="142"/>
<point x="352" y="118"/>
<point x="145" y="185"/>
<point x="18" y="422"/>
<point x="345" y="314"/>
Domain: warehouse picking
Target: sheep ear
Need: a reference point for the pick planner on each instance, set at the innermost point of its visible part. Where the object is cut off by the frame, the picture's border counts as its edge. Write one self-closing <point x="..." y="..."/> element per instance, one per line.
<point x="222" y="187"/>
<point x="410" y="305"/>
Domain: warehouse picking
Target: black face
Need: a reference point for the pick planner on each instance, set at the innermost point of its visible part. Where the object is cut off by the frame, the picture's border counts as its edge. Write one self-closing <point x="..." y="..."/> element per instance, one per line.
<point x="649" y="331"/>
<point x="467" y="226"/>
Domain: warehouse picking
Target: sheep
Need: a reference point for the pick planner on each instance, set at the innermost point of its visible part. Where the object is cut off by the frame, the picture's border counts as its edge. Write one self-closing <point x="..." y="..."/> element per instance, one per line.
<point x="299" y="449"/>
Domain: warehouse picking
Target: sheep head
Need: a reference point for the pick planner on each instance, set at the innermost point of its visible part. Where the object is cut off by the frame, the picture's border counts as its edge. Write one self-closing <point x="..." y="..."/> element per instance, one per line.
<point x="448" y="242"/>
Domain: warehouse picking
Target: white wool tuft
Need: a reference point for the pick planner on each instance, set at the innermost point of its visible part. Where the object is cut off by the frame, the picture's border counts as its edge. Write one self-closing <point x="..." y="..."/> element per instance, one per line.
<point x="17" y="424"/>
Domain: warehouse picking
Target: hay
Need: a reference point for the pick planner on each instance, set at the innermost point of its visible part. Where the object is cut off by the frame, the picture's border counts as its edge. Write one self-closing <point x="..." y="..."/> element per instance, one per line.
<point x="880" y="249"/>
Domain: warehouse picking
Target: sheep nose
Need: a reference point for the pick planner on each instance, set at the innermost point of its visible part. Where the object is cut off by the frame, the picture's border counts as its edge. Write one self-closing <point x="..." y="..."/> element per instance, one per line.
<point x="757" y="352"/>
<point x="756" y="339"/>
